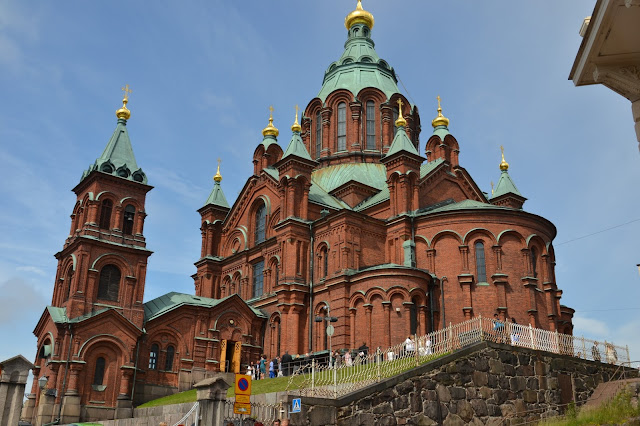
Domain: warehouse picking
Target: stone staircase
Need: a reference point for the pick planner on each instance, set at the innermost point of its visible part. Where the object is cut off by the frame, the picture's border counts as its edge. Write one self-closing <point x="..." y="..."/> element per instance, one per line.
<point x="607" y="390"/>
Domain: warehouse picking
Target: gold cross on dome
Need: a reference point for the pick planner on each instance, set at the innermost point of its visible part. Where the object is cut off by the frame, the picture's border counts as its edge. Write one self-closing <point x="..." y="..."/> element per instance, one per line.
<point x="438" y="102"/>
<point x="219" y="161"/>
<point x="270" y="112"/>
<point x="297" y="108"/>
<point x="400" y="105"/>
<point x="126" y="91"/>
<point x="491" y="187"/>
<point x="502" y="150"/>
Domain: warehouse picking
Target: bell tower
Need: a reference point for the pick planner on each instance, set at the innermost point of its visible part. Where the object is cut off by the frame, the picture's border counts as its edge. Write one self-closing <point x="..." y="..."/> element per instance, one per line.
<point x="104" y="259"/>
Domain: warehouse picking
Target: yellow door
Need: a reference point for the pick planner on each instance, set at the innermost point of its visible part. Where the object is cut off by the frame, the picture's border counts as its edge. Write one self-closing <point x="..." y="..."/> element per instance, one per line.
<point x="235" y="362"/>
<point x="223" y="355"/>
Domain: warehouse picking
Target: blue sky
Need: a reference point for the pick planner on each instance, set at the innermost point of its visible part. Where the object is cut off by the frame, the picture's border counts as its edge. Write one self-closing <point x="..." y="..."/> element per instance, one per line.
<point x="203" y="75"/>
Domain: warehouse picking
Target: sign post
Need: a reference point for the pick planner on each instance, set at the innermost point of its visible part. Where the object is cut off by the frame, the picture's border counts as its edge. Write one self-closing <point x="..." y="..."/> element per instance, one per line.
<point x="242" y="405"/>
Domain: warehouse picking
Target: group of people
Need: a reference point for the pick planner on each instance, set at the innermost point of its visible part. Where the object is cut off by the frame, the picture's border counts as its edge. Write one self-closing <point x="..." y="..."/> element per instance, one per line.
<point x="500" y="332"/>
<point x="263" y="368"/>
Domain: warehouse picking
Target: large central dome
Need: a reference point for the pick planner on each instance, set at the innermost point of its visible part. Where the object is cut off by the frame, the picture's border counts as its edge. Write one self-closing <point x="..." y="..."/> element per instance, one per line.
<point x="359" y="66"/>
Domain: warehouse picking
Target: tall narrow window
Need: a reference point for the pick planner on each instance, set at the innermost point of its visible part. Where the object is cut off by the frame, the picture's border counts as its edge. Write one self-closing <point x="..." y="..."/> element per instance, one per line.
<point x="98" y="374"/>
<point x="129" y="215"/>
<point x="277" y="275"/>
<point x="105" y="214"/>
<point x="109" y="284"/>
<point x="67" y="284"/>
<point x="534" y="262"/>
<point x="153" y="357"/>
<point x="342" y="126"/>
<point x="325" y="262"/>
<point x="258" y="279"/>
<point x="481" y="267"/>
<point x="371" y="125"/>
<point x="168" y="362"/>
<point x="318" y="134"/>
<point x="395" y="117"/>
<point x="261" y="218"/>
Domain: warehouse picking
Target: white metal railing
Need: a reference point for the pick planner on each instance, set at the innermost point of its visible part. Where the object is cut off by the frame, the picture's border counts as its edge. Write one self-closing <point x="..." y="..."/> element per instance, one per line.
<point x="191" y="418"/>
<point x="264" y="413"/>
<point x="333" y="377"/>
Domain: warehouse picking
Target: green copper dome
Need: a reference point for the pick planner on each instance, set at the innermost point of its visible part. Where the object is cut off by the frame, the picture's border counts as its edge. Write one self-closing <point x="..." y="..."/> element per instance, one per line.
<point x="359" y="67"/>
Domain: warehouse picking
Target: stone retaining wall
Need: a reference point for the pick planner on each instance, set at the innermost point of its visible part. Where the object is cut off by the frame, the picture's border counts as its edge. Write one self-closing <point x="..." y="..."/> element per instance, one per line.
<point x="485" y="383"/>
<point x="486" y="386"/>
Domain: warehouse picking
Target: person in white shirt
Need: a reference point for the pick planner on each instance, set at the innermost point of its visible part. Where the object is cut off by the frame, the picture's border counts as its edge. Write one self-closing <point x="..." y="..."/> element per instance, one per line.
<point x="409" y="346"/>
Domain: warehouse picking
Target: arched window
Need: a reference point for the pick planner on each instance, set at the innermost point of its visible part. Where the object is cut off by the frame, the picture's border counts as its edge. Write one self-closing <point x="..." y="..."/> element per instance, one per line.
<point x="276" y="278"/>
<point x="481" y="267"/>
<point x="395" y="117"/>
<point x="153" y="357"/>
<point x="342" y="126"/>
<point x="105" y="214"/>
<point x="129" y="215"/>
<point x="98" y="374"/>
<point x="318" y="134"/>
<point x="109" y="283"/>
<point x="258" y="279"/>
<point x="371" y="125"/>
<point x="534" y="262"/>
<point x="325" y="262"/>
<point x="261" y="218"/>
<point x="67" y="284"/>
<point x="168" y="362"/>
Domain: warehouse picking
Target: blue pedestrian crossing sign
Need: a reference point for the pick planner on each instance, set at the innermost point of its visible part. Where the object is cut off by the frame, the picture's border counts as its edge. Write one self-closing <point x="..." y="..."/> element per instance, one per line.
<point x="296" y="406"/>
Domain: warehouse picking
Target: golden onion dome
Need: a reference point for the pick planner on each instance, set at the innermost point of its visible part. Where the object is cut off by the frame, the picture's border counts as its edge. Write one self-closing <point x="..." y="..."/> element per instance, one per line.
<point x="270" y="130"/>
<point x="440" y="120"/>
<point x="124" y="111"/>
<point x="359" y="16"/>
<point x="400" y="122"/>
<point x="296" y="126"/>
<point x="504" y="166"/>
<point x="218" y="177"/>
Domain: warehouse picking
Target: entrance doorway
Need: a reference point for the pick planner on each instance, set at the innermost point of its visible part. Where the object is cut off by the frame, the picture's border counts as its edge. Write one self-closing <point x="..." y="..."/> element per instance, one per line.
<point x="230" y="352"/>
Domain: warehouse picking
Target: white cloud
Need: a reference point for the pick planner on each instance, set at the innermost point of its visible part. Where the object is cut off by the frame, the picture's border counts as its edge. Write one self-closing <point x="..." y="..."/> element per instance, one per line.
<point x="32" y="269"/>
<point x="589" y="327"/>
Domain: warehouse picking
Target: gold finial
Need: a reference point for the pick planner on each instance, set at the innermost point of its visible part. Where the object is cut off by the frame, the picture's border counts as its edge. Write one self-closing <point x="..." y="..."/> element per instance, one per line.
<point x="124" y="112"/>
<point x="270" y="130"/>
<point x="218" y="177"/>
<point x="504" y="166"/>
<point x="359" y="16"/>
<point x="492" y="188"/>
<point x="400" y="122"/>
<point x="296" y="126"/>
<point x="440" y="120"/>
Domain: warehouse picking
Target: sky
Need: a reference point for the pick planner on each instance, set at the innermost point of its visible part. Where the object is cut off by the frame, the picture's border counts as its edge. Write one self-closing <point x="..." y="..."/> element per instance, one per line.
<point x="203" y="74"/>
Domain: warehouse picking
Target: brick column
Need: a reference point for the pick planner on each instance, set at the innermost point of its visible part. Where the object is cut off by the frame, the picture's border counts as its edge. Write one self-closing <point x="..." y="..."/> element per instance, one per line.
<point x="368" y="308"/>
<point x="386" y="306"/>
<point x="352" y="328"/>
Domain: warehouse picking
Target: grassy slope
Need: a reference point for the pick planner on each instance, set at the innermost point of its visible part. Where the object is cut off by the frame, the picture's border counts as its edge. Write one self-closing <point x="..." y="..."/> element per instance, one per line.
<point x="616" y="411"/>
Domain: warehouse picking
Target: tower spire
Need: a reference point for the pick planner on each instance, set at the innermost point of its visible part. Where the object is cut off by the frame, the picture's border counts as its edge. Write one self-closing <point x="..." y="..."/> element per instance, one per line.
<point x="218" y="177"/>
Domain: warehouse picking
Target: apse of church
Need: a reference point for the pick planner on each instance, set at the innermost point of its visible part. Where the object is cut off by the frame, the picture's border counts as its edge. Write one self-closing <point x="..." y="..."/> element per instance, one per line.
<point x="354" y="214"/>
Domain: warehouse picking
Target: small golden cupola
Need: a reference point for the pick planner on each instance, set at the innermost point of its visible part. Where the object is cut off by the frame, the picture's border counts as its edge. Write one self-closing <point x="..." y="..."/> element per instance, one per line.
<point x="296" y="126"/>
<point x="359" y="16"/>
<point x="504" y="166"/>
<point x="124" y="112"/>
<point x="270" y="130"/>
<point x="440" y="120"/>
<point x="401" y="121"/>
<point x="218" y="177"/>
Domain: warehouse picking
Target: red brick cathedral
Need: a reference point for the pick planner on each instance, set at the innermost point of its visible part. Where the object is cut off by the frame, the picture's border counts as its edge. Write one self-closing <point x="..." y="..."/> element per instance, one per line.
<point x="349" y="216"/>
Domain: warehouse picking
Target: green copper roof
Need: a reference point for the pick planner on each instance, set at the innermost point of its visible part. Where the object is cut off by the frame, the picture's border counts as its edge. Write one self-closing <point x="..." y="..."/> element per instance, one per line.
<point x="58" y="315"/>
<point x="296" y="147"/>
<point x="505" y="186"/>
<point x="217" y="197"/>
<point x="441" y="131"/>
<point x="117" y="158"/>
<point x="359" y="67"/>
<point x="269" y="140"/>
<point x="401" y="142"/>
<point x="467" y="205"/>
<point x="170" y="301"/>
<point x="426" y="168"/>
<point x="331" y="177"/>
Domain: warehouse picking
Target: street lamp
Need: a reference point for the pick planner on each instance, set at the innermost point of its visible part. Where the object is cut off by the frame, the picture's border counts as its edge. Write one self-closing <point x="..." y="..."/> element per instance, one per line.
<point x="330" y="330"/>
<point x="42" y="381"/>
